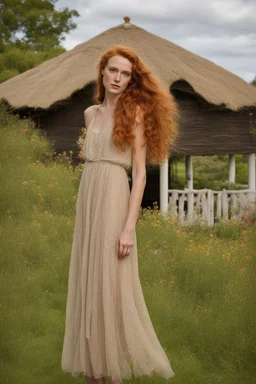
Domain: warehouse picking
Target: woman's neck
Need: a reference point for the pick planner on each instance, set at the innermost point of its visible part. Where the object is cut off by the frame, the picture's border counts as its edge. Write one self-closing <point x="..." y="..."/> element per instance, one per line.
<point x="110" y="101"/>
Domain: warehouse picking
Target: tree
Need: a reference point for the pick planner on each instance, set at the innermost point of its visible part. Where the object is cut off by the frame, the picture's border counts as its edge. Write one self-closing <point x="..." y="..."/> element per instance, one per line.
<point x="31" y="31"/>
<point x="37" y="21"/>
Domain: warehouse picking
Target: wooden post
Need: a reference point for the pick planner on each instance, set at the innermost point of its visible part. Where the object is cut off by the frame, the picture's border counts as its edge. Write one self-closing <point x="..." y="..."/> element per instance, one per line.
<point x="225" y="204"/>
<point x="204" y="205"/>
<point x="164" y="186"/>
<point x="173" y="207"/>
<point x="190" y="205"/>
<point x="189" y="172"/>
<point x="251" y="179"/>
<point x="181" y="209"/>
<point x="231" y="169"/>
<point x="218" y="210"/>
<point x="251" y="172"/>
<point x="210" y="208"/>
<point x="233" y="206"/>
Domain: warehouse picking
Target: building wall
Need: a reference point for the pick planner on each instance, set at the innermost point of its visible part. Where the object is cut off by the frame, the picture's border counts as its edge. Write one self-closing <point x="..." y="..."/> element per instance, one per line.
<point x="203" y="129"/>
<point x="63" y="124"/>
<point x="208" y="130"/>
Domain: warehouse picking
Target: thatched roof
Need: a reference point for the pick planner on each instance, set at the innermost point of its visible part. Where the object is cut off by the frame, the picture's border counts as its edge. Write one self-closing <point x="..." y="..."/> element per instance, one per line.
<point x="58" y="78"/>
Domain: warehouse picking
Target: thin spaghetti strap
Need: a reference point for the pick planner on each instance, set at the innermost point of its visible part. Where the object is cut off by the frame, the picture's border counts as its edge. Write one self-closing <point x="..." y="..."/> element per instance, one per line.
<point x="97" y="109"/>
<point x="93" y="123"/>
<point x="94" y="117"/>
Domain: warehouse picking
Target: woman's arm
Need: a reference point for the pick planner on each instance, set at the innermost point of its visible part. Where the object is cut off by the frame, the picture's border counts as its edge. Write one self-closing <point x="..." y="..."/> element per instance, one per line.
<point x="138" y="177"/>
<point x="126" y="238"/>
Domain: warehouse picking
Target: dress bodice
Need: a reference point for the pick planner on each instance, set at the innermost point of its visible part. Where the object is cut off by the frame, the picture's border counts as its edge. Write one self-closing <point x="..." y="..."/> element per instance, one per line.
<point x="100" y="146"/>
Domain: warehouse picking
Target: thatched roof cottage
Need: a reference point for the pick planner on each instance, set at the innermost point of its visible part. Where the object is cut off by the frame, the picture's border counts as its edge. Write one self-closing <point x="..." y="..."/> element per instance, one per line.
<point x="217" y="107"/>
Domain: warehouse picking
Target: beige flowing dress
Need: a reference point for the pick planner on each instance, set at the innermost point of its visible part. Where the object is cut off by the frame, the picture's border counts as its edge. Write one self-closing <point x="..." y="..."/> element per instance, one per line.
<point x="108" y="331"/>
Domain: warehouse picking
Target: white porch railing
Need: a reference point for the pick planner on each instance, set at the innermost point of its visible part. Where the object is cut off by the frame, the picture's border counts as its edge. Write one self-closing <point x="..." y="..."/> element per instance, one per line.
<point x="205" y="205"/>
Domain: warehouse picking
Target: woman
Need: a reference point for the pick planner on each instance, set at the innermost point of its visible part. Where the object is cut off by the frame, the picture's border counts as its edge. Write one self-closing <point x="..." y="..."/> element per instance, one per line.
<point x="108" y="330"/>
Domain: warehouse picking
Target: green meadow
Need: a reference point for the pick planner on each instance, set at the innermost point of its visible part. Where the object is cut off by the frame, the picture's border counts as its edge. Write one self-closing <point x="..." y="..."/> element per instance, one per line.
<point x="199" y="283"/>
<point x="210" y="172"/>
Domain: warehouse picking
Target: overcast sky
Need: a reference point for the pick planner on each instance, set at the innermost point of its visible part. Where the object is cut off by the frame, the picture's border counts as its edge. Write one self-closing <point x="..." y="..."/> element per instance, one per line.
<point x="223" y="31"/>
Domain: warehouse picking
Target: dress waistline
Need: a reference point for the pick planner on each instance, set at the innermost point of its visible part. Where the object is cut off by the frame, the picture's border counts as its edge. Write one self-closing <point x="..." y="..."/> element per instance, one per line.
<point x="108" y="162"/>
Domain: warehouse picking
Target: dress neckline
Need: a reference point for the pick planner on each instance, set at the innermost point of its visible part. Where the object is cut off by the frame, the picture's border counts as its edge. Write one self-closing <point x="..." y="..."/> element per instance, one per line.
<point x="92" y="123"/>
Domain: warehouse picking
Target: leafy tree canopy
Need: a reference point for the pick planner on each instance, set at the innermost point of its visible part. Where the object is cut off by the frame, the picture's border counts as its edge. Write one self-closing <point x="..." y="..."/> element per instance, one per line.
<point x="31" y="32"/>
<point x="34" y="22"/>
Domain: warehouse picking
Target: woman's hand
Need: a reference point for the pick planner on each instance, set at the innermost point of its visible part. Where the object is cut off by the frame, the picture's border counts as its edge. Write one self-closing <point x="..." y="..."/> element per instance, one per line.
<point x="125" y="243"/>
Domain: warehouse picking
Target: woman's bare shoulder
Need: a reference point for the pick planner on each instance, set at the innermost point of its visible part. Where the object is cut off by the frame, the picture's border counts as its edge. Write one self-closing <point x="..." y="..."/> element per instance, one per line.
<point x="89" y="113"/>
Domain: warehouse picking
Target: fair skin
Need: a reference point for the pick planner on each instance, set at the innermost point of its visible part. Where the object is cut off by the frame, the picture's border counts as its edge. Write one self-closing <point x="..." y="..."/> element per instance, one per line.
<point x="119" y="71"/>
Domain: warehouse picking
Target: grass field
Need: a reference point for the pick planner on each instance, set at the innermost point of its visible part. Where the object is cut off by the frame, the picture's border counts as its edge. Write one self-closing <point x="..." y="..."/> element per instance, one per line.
<point x="210" y="172"/>
<point x="199" y="283"/>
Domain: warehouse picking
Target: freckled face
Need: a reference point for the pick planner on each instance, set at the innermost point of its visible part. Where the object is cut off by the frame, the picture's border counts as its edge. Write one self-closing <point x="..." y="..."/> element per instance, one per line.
<point x="117" y="74"/>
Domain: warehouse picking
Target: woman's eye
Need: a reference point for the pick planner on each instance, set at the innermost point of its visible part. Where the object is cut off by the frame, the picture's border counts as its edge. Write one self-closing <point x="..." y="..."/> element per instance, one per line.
<point x="126" y="74"/>
<point x="111" y="69"/>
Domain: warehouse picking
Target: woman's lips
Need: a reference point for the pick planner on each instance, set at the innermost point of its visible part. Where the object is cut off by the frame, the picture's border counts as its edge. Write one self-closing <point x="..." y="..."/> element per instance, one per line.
<point x="115" y="86"/>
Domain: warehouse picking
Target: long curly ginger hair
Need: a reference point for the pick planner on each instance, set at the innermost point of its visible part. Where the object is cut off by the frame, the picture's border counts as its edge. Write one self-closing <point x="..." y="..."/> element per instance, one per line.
<point x="146" y="96"/>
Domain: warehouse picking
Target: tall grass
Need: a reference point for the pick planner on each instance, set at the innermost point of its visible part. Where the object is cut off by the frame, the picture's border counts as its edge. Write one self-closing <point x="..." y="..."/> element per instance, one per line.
<point x="198" y="282"/>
